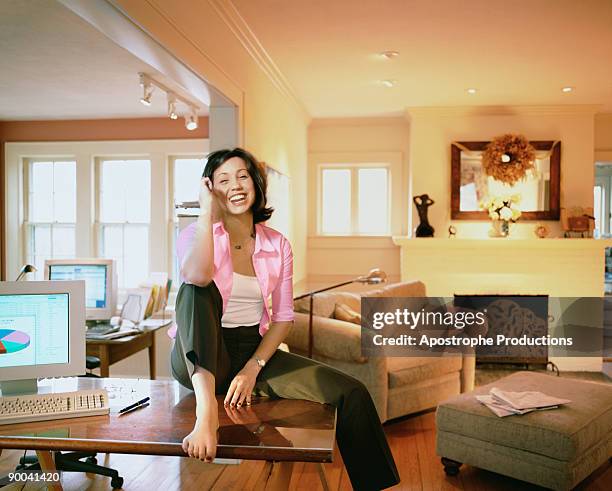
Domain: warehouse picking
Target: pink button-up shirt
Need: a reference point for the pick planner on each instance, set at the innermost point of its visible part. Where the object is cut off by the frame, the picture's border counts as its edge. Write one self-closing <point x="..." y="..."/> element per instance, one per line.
<point x="272" y="261"/>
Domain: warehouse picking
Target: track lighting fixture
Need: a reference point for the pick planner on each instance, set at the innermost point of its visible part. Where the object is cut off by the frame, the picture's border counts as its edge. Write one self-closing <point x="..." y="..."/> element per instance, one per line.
<point x="147" y="89"/>
<point x="191" y="120"/>
<point x="148" y="84"/>
<point x="172" y="114"/>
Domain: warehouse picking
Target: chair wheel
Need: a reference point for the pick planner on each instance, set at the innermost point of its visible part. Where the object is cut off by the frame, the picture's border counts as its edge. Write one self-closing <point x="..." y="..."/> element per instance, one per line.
<point x="91" y="460"/>
<point x="117" y="482"/>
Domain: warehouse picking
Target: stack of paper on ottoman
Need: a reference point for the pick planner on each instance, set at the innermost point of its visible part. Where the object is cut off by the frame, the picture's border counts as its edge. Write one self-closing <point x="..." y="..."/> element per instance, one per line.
<point x="556" y="449"/>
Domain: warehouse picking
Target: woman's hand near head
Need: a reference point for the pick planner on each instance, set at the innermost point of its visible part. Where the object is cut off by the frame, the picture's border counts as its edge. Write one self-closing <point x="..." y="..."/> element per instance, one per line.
<point x="195" y="246"/>
<point x="208" y="200"/>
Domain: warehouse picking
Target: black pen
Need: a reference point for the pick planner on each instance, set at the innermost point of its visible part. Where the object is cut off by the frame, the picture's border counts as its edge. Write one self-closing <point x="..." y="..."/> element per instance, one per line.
<point x="136" y="408"/>
<point x="132" y="406"/>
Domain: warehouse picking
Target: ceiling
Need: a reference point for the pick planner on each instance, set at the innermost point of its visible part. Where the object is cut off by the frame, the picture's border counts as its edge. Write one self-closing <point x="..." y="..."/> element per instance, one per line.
<point x="519" y="52"/>
<point x="54" y="65"/>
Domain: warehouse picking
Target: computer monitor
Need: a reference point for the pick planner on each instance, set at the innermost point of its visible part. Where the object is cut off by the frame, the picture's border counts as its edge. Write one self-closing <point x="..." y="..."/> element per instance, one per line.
<point x="100" y="277"/>
<point x="42" y="332"/>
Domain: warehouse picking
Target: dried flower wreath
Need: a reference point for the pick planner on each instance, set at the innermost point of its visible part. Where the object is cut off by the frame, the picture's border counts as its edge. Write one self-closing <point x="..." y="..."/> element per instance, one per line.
<point x="508" y="158"/>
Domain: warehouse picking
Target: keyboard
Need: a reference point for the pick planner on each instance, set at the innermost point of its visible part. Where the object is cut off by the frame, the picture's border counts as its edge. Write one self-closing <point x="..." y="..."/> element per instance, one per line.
<point x="60" y="405"/>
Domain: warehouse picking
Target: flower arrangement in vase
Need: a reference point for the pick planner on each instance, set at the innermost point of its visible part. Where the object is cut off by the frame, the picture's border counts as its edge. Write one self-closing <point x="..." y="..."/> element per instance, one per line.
<point x="503" y="211"/>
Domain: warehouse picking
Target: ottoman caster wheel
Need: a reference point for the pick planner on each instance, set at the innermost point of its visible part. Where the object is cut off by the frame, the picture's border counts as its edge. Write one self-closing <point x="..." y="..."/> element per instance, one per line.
<point x="451" y="467"/>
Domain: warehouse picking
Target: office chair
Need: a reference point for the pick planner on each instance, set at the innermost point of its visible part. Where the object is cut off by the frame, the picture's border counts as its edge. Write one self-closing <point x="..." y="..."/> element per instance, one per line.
<point x="71" y="461"/>
<point x="91" y="363"/>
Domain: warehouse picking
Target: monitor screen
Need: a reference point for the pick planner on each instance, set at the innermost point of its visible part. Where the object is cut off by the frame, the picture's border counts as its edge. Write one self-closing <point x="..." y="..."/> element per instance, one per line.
<point x="95" y="281"/>
<point x="34" y="329"/>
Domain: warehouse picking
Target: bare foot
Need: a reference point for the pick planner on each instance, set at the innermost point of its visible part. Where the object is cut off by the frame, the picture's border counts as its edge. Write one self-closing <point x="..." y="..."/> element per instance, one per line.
<point x="201" y="443"/>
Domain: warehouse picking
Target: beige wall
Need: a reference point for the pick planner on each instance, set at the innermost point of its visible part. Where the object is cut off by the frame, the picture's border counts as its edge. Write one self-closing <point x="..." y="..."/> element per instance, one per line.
<point x="603" y="137"/>
<point x="433" y="130"/>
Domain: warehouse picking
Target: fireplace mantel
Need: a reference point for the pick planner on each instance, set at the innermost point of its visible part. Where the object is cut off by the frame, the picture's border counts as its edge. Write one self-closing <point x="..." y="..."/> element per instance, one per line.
<point x="554" y="267"/>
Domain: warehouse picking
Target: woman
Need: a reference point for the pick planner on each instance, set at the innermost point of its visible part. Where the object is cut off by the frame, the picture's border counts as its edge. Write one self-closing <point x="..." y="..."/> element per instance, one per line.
<point x="227" y="341"/>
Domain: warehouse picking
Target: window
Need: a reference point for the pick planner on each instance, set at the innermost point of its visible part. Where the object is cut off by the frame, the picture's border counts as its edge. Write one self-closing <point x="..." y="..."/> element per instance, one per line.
<point x="354" y="200"/>
<point x="602" y="199"/>
<point x="599" y="195"/>
<point x="124" y="217"/>
<point x="186" y="177"/>
<point x="50" y="211"/>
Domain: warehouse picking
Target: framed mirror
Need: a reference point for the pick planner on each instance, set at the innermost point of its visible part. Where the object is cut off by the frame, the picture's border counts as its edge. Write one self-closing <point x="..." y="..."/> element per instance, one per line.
<point x="539" y="189"/>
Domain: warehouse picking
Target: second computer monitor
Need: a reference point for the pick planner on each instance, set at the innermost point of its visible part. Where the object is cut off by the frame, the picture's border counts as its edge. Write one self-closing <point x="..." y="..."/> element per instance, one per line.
<point x="100" y="277"/>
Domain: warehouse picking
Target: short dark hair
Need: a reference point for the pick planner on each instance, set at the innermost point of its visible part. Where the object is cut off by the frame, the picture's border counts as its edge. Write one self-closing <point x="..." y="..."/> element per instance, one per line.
<point x="256" y="170"/>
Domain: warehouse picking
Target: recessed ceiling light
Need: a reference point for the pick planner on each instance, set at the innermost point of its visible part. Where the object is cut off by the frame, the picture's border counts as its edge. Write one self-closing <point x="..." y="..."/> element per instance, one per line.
<point x="471" y="90"/>
<point x="567" y="89"/>
<point x="389" y="55"/>
<point x="388" y="83"/>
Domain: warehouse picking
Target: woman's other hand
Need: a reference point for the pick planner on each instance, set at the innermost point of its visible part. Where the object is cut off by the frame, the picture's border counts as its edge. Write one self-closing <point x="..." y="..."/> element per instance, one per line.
<point x="241" y="388"/>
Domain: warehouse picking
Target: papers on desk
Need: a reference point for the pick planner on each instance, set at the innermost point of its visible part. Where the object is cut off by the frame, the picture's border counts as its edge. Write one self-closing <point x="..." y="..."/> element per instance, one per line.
<point x="505" y="403"/>
<point x="155" y="322"/>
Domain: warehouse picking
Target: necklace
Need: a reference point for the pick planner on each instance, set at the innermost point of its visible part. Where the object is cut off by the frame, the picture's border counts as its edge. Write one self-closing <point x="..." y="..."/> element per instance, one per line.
<point x="239" y="246"/>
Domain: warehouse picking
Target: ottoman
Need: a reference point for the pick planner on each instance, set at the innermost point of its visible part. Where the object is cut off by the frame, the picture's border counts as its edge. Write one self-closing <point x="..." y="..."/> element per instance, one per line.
<point x="556" y="449"/>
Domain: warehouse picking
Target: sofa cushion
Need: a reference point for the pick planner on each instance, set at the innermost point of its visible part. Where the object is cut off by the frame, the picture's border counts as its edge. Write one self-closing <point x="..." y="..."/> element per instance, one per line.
<point x="343" y="312"/>
<point x="411" y="370"/>
<point x="325" y="303"/>
<point x="332" y="338"/>
<point x="563" y="434"/>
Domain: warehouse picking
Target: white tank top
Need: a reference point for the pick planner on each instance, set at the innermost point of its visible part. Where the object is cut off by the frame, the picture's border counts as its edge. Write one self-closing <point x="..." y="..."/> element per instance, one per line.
<point x="245" y="304"/>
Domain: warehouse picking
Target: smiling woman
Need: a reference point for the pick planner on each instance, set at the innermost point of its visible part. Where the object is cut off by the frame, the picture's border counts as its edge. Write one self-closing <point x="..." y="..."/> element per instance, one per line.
<point x="227" y="339"/>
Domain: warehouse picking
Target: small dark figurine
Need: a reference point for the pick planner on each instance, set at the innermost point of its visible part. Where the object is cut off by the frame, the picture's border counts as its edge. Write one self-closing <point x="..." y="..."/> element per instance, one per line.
<point x="423" y="202"/>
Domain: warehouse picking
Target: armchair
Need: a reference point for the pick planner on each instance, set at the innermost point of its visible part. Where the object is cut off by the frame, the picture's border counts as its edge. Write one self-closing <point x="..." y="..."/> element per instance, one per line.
<point x="398" y="386"/>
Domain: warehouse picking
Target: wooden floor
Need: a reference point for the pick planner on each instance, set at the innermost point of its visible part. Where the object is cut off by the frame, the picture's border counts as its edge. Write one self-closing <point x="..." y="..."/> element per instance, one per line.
<point x="412" y="441"/>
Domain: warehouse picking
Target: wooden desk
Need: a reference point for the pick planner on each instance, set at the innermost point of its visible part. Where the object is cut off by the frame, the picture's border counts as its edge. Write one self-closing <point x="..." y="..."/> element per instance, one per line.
<point x="113" y="350"/>
<point x="278" y="431"/>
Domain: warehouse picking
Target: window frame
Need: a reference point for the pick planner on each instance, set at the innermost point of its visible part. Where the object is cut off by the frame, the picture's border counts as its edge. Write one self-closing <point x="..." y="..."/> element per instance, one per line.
<point x="354" y="204"/>
<point x="85" y="154"/>
<point x="399" y="200"/>
<point x="173" y="221"/>
<point x="98" y="225"/>
<point x="28" y="225"/>
<point x="605" y="182"/>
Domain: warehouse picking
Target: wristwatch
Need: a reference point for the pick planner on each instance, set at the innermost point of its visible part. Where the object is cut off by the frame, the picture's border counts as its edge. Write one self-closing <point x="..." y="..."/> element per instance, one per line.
<point x="260" y="362"/>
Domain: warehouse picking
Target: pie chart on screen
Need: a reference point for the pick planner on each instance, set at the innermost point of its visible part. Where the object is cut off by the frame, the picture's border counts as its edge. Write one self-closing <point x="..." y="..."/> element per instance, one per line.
<point x="12" y="341"/>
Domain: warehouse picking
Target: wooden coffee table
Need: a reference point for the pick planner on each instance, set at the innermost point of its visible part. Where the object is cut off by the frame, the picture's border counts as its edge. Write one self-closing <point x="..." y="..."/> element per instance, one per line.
<point x="278" y="431"/>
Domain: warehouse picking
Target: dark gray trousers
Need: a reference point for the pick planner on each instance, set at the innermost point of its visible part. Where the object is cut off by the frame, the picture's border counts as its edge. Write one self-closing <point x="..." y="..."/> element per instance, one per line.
<point x="200" y="340"/>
